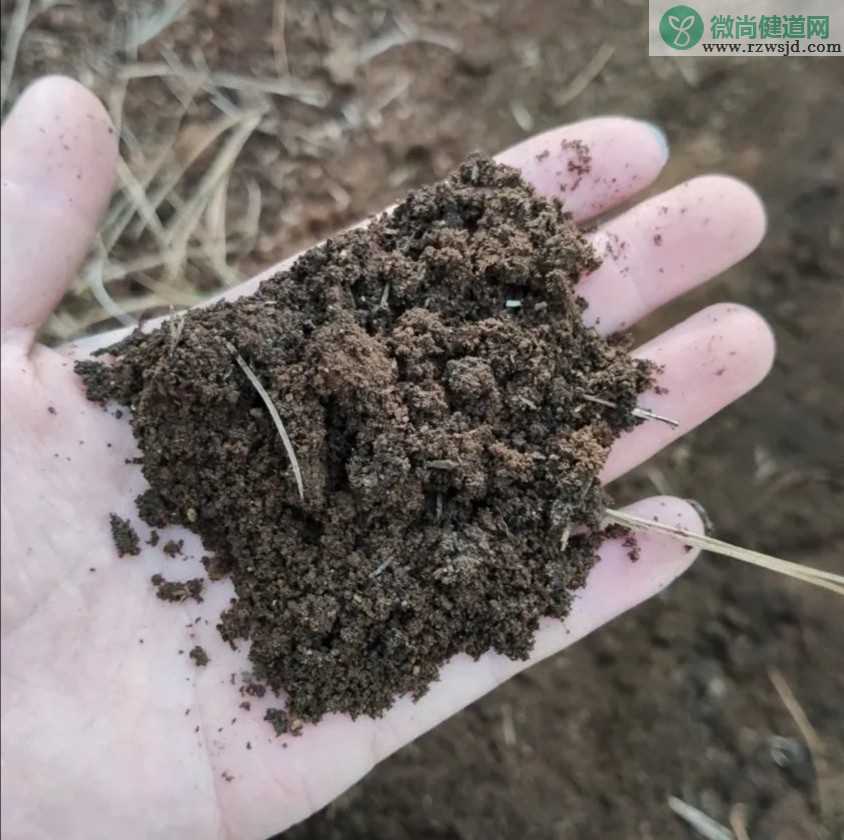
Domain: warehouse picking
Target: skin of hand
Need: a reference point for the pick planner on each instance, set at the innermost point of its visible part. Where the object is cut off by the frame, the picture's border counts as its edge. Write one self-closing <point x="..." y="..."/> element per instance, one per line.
<point x="109" y="729"/>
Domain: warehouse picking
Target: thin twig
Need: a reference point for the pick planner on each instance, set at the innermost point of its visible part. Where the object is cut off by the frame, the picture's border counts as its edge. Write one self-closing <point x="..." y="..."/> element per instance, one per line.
<point x="138" y="197"/>
<point x="115" y="270"/>
<point x="282" y="62"/>
<point x="523" y="117"/>
<point x="144" y="29"/>
<point x="381" y="567"/>
<point x="306" y="92"/>
<point x="703" y="824"/>
<point x="176" y="325"/>
<point x="17" y="27"/>
<point x="96" y="284"/>
<point x="216" y="237"/>
<point x="817" y="577"/>
<point x="68" y="327"/>
<point x="21" y="20"/>
<point x="183" y="223"/>
<point x="186" y="158"/>
<point x="641" y="413"/>
<point x="249" y="226"/>
<point x="116" y="94"/>
<point x="262" y="393"/>
<point x="123" y="213"/>
<point x="807" y="731"/>
<point x="407" y="33"/>
<point x="647" y="414"/>
<point x="738" y="821"/>
<point x="586" y="76"/>
<point x="566" y="535"/>
<point x="816" y="747"/>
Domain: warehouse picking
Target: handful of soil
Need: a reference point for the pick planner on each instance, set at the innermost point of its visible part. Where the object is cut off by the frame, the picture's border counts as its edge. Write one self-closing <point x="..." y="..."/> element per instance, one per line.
<point x="432" y="372"/>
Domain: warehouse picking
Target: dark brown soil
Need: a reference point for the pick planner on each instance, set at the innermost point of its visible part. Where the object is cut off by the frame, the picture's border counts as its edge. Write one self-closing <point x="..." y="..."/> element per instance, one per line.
<point x="432" y="372"/>
<point x="125" y="537"/>
<point x="178" y="590"/>
<point x="282" y="722"/>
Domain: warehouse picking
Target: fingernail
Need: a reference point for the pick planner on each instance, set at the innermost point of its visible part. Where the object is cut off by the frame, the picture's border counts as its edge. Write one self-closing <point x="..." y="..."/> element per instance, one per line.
<point x="661" y="137"/>
<point x="708" y="524"/>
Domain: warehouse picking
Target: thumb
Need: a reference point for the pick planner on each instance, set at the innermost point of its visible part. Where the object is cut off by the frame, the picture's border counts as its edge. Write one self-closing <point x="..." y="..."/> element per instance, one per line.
<point x="59" y="156"/>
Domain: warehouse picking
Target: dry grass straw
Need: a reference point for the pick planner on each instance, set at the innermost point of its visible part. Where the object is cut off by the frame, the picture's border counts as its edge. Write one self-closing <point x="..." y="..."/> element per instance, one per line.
<point x="164" y="224"/>
<point x="738" y="821"/>
<point x="641" y="413"/>
<point x="19" y="21"/>
<point x="276" y="418"/>
<point x="830" y="784"/>
<point x="308" y="93"/>
<point x="586" y="76"/>
<point x="817" y="577"/>
<point x="17" y="26"/>
<point x="180" y="228"/>
<point x="145" y="28"/>
<point x="702" y="823"/>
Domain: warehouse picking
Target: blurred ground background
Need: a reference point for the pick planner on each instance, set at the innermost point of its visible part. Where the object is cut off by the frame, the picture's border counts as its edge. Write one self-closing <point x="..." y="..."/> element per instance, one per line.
<point x="250" y="130"/>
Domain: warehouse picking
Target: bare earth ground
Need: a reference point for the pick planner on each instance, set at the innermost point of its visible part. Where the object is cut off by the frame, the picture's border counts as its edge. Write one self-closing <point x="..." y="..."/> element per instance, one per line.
<point x="676" y="698"/>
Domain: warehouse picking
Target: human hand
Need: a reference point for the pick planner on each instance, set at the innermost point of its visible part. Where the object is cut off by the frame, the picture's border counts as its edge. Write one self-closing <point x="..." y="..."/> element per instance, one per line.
<point x="107" y="729"/>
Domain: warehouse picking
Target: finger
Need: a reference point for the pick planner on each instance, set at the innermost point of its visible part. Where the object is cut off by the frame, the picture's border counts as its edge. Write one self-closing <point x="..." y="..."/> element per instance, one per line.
<point x="708" y="361"/>
<point x="622" y="156"/>
<point x="667" y="245"/>
<point x="59" y="154"/>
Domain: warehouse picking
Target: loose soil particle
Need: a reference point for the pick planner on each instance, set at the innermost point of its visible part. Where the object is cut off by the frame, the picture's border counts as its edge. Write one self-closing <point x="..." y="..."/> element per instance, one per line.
<point x="178" y="590"/>
<point x="278" y="719"/>
<point x="446" y="449"/>
<point x="125" y="537"/>
<point x="199" y="656"/>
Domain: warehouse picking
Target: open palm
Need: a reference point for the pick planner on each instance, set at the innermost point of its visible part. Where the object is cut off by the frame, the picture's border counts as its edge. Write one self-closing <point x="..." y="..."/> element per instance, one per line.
<point x="109" y="729"/>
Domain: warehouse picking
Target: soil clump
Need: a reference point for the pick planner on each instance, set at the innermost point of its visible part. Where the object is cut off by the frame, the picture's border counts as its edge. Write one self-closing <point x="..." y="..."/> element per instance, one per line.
<point x="430" y="373"/>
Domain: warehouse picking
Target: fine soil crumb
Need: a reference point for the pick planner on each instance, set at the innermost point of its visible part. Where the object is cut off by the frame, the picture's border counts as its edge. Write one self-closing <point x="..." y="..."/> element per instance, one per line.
<point x="282" y="722"/>
<point x="125" y="537"/>
<point x="430" y="371"/>
<point x="199" y="656"/>
<point x="580" y="162"/>
<point x="215" y="567"/>
<point x="254" y="689"/>
<point x="178" y="590"/>
<point x="277" y="718"/>
<point x="173" y="547"/>
<point x="634" y="551"/>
